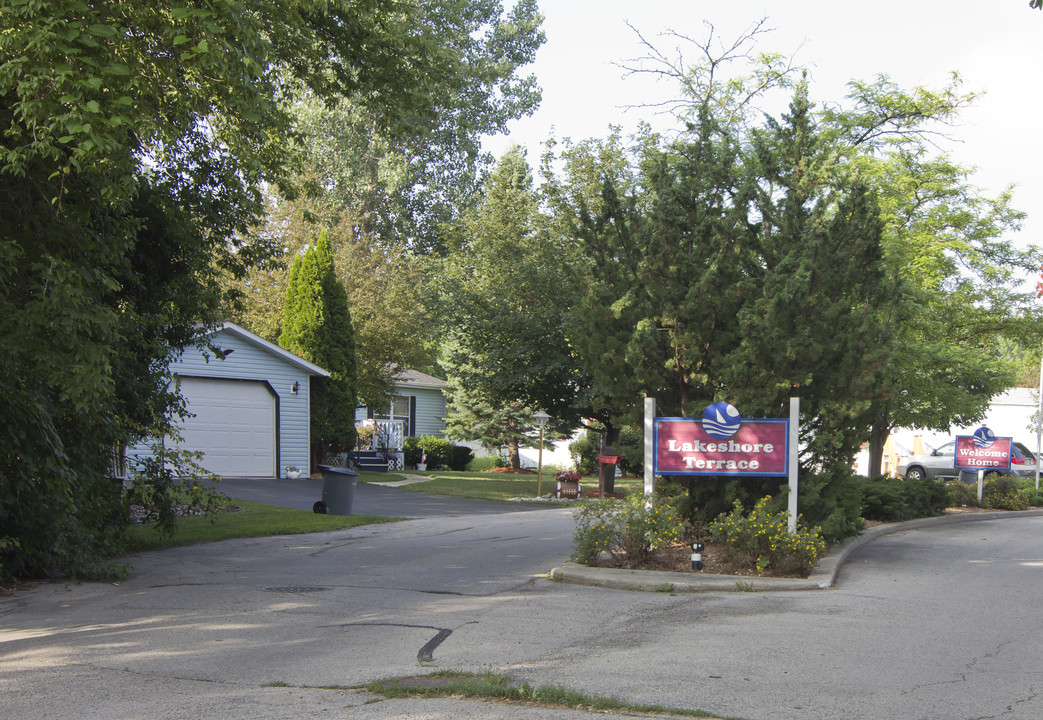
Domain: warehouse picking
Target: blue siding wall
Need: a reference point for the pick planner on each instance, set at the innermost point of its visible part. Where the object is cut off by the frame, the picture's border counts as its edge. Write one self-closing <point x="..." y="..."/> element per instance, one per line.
<point x="249" y="362"/>
<point x="430" y="411"/>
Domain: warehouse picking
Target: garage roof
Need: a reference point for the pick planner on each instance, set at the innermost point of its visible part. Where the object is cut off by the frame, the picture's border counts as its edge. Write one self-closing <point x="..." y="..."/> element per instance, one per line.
<point x="272" y="348"/>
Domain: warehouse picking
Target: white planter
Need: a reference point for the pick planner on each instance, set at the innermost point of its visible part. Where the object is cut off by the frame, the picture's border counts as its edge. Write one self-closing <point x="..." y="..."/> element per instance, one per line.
<point x="421" y="466"/>
<point x="293" y="474"/>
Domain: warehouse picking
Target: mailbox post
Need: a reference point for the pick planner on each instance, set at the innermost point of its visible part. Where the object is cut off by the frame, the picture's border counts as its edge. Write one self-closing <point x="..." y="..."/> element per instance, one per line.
<point x="607" y="462"/>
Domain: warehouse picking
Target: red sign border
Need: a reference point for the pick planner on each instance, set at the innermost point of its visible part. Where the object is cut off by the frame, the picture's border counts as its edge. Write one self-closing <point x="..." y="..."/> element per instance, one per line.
<point x="746" y="473"/>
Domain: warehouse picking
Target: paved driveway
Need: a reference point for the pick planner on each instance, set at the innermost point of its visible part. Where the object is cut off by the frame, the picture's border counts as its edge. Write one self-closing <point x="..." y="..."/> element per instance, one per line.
<point x="370" y="498"/>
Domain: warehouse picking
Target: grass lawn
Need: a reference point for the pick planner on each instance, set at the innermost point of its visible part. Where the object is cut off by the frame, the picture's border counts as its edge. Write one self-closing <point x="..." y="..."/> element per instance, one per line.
<point x="252" y="520"/>
<point x="260" y="520"/>
<point x="503" y="486"/>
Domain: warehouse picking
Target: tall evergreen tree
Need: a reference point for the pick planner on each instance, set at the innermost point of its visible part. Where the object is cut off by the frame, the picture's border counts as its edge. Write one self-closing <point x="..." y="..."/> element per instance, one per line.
<point x="317" y="326"/>
<point x="814" y="327"/>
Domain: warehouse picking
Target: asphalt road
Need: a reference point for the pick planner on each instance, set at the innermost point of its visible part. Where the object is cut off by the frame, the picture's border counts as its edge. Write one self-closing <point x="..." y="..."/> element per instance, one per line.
<point x="936" y="622"/>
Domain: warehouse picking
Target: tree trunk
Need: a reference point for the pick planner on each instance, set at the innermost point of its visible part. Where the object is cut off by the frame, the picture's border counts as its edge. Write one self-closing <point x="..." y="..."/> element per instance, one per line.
<point x="513" y="458"/>
<point x="877" y="437"/>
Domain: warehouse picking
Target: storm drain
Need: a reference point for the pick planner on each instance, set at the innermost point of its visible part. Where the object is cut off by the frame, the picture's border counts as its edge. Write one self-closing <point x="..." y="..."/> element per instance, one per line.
<point x="295" y="589"/>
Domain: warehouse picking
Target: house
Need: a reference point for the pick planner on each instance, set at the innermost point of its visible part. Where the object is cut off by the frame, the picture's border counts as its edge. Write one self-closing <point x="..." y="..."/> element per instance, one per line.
<point x="417" y="408"/>
<point x="250" y="406"/>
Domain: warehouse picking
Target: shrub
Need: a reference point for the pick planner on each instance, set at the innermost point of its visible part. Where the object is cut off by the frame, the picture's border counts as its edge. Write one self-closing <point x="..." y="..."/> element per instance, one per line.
<point x="364" y="436"/>
<point x="1004" y="492"/>
<point x="439" y="451"/>
<point x="763" y="537"/>
<point x="584" y="452"/>
<point x="631" y="448"/>
<point x="484" y="463"/>
<point x="629" y="529"/>
<point x="895" y="500"/>
<point x="830" y="501"/>
<point x="170" y="477"/>
<point x="961" y="494"/>
<point x="461" y="457"/>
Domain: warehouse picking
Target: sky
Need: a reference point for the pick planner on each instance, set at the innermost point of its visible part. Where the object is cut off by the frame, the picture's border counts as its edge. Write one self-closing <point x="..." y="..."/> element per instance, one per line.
<point x="995" y="46"/>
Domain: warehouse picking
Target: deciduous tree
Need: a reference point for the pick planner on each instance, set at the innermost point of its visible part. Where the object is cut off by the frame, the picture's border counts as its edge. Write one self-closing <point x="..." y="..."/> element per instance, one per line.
<point x="136" y="143"/>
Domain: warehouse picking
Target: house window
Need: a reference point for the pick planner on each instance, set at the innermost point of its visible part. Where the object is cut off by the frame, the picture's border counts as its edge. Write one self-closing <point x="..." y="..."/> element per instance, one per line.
<point x="400" y="409"/>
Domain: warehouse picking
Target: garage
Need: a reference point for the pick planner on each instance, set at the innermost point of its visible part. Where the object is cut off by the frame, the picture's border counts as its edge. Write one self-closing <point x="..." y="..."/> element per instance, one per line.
<point x="233" y="425"/>
<point x="250" y="402"/>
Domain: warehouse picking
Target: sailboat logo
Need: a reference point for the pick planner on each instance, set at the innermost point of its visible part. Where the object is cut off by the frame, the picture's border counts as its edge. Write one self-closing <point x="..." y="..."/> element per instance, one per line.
<point x="984" y="437"/>
<point x="721" y="420"/>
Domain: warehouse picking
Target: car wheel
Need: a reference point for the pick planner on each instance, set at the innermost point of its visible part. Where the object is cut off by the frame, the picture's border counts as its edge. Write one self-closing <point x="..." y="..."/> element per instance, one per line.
<point x="319" y="507"/>
<point x="915" y="473"/>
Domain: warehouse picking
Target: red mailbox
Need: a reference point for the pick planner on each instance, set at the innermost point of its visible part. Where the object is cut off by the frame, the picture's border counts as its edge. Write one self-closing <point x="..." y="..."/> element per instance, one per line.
<point x="609" y="459"/>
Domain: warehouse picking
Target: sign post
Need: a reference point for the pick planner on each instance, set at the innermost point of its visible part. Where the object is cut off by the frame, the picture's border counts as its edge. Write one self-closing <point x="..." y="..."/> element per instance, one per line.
<point x="794" y="460"/>
<point x="649" y="445"/>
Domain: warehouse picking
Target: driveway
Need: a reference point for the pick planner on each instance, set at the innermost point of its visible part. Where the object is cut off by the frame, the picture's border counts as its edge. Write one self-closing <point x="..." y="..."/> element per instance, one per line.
<point x="370" y="498"/>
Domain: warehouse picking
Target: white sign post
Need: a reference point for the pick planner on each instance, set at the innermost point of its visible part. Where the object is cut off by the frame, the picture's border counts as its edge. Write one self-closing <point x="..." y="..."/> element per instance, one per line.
<point x="649" y="445"/>
<point x="794" y="459"/>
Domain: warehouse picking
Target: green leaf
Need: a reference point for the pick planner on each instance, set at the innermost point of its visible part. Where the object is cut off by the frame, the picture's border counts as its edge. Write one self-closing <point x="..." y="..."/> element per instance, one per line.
<point x="104" y="31"/>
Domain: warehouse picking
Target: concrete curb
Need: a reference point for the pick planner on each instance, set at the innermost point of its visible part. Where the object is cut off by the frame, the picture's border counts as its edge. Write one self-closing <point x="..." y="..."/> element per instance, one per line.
<point x="822" y="577"/>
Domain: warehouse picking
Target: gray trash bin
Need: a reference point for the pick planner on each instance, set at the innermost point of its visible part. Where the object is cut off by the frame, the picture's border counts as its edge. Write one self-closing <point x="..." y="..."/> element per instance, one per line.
<point x="338" y="490"/>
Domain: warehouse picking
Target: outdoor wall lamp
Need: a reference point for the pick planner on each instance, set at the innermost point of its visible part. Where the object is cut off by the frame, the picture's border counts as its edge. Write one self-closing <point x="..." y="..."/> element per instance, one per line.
<point x="295" y="387"/>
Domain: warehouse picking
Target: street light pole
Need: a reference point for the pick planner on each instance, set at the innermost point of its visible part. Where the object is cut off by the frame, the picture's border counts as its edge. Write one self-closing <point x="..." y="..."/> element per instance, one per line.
<point x="541" y="419"/>
<point x="1039" y="419"/>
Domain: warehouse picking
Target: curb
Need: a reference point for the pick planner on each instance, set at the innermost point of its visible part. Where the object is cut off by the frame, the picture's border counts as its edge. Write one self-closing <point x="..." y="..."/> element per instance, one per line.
<point x="822" y="577"/>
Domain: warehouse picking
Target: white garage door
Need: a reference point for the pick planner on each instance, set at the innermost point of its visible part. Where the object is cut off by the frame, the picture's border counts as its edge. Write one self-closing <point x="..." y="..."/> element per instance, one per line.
<point x="234" y="426"/>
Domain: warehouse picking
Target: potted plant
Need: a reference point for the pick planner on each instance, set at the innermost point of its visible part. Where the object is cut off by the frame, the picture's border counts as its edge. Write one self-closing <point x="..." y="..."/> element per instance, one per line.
<point x="567" y="484"/>
<point x="292" y="472"/>
<point x="422" y="465"/>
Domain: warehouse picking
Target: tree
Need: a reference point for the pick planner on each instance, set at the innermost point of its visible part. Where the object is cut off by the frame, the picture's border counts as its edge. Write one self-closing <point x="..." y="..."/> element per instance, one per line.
<point x="383" y="283"/>
<point x="812" y="324"/>
<point x="137" y="143"/>
<point x="317" y="327"/>
<point x="958" y="294"/>
<point x="406" y="179"/>
<point x="501" y="303"/>
<point x="963" y="295"/>
<point x="386" y="188"/>
<point x="735" y="270"/>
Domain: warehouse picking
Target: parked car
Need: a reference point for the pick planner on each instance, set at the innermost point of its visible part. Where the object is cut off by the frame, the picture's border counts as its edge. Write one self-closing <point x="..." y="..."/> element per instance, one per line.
<point x="939" y="463"/>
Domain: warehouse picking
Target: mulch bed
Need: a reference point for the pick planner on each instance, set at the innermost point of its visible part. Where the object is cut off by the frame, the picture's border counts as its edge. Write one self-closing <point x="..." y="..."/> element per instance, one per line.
<point x="513" y="471"/>
<point x="678" y="558"/>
